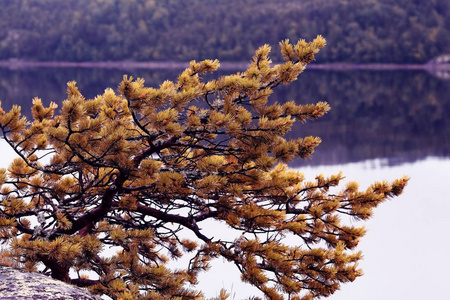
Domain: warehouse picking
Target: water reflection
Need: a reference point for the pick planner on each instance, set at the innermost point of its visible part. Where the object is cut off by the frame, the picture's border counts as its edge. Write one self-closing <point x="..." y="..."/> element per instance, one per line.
<point x="378" y="120"/>
<point x="398" y="116"/>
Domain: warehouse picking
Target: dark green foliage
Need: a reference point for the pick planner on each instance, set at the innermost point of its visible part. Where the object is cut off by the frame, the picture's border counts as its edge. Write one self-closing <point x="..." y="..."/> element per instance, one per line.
<point x="402" y="31"/>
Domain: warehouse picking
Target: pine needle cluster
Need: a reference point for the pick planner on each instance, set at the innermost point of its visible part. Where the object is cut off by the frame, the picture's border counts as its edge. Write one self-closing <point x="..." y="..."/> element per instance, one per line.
<point x="138" y="168"/>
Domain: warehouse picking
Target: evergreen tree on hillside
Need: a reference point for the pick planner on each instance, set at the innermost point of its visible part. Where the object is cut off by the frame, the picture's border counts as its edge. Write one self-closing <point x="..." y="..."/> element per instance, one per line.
<point x="401" y="31"/>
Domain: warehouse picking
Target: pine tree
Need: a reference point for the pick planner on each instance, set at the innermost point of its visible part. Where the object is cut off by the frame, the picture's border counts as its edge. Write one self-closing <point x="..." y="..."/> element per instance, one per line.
<point x="144" y="168"/>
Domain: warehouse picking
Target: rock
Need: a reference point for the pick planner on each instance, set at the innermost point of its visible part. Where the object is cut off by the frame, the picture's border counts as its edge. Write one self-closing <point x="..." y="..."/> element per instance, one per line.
<point x="20" y="285"/>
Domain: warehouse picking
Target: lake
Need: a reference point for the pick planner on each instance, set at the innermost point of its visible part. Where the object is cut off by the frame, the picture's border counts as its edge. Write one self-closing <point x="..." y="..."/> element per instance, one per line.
<point x="397" y="116"/>
<point x="382" y="124"/>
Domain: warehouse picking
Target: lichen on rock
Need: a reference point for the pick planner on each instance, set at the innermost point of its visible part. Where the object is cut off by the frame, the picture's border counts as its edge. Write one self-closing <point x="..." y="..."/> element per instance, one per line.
<point x="16" y="284"/>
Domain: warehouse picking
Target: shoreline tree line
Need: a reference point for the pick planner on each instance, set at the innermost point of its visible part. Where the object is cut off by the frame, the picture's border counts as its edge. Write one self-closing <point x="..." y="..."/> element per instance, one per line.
<point x="400" y="31"/>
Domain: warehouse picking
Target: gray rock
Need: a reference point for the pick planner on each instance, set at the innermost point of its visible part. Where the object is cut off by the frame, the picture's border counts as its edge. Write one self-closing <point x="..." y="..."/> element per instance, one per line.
<point x="20" y="285"/>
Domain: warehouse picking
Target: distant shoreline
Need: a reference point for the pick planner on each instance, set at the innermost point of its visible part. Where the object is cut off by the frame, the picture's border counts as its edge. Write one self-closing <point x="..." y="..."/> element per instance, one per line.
<point x="18" y="64"/>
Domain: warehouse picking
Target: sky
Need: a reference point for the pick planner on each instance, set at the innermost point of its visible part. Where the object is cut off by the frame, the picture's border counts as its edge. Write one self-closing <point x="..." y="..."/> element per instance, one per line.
<point x="406" y="246"/>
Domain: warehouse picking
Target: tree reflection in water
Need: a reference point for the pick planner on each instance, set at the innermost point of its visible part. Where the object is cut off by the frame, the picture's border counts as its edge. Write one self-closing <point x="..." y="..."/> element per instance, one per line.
<point x="400" y="116"/>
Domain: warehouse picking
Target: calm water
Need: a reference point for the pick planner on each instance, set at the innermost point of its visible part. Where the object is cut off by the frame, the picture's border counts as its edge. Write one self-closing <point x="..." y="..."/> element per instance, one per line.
<point x="399" y="116"/>
<point x="382" y="125"/>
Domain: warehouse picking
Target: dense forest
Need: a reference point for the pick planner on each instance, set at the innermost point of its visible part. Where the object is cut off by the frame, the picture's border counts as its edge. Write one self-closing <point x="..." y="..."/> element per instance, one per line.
<point x="399" y="31"/>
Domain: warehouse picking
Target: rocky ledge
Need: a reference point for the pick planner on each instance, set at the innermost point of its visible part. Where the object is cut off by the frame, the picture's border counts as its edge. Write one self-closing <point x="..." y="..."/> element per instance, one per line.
<point x="20" y="285"/>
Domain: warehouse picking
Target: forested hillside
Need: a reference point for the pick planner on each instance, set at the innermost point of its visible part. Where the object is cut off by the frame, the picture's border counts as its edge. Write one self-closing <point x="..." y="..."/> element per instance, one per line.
<point x="400" y="31"/>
